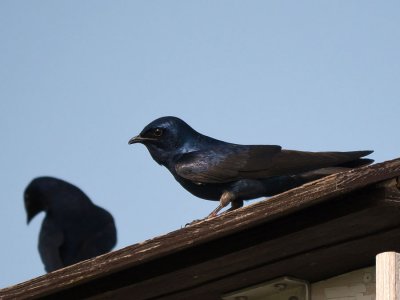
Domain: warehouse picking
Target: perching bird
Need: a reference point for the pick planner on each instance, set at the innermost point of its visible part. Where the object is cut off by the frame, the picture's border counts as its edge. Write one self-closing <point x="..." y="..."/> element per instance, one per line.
<point x="215" y="170"/>
<point x="74" y="229"/>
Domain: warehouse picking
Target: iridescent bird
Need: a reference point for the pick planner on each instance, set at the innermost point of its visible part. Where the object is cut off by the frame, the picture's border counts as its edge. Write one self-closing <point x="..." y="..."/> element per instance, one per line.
<point x="215" y="170"/>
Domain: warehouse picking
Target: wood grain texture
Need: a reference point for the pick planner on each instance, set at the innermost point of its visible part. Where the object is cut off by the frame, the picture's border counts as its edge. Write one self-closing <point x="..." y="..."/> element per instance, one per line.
<point x="142" y="257"/>
<point x="275" y="245"/>
<point x="388" y="276"/>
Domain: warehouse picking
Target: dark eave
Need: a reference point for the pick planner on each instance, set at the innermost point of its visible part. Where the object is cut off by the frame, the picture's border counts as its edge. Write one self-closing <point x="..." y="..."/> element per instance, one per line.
<point x="313" y="232"/>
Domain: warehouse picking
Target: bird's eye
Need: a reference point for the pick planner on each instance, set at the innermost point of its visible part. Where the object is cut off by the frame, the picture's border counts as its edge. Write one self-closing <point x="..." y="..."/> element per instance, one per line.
<point x="158" y="132"/>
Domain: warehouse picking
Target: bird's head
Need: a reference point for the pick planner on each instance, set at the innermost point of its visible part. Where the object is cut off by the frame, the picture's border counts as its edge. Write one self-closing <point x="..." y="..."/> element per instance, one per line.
<point x="37" y="195"/>
<point x="166" y="136"/>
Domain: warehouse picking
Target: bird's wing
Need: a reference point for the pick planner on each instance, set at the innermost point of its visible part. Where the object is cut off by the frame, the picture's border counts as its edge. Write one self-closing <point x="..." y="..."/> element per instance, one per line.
<point x="233" y="162"/>
<point x="51" y="239"/>
<point x="224" y="163"/>
<point x="289" y="162"/>
<point x="102" y="238"/>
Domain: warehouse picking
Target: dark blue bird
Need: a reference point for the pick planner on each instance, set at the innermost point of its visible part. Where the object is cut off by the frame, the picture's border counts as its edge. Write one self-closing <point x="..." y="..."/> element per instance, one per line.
<point x="215" y="170"/>
<point x="74" y="229"/>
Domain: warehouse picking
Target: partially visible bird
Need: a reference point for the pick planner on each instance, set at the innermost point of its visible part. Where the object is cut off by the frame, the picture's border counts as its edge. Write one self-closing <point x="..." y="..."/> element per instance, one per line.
<point x="74" y="229"/>
<point x="215" y="170"/>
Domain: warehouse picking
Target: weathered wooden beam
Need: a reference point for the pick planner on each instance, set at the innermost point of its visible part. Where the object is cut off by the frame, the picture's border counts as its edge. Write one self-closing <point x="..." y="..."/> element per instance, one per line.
<point x="268" y="251"/>
<point x="311" y="266"/>
<point x="388" y="276"/>
<point x="117" y="262"/>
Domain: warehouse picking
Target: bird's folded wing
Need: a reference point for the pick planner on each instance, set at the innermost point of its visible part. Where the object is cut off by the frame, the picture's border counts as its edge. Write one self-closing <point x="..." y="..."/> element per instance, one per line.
<point x="51" y="239"/>
<point x="224" y="163"/>
<point x="233" y="162"/>
<point x="289" y="162"/>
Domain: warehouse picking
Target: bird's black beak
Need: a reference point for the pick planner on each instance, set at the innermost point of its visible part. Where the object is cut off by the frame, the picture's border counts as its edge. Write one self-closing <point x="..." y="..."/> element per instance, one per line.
<point x="139" y="139"/>
<point x="30" y="217"/>
<point x="135" y="139"/>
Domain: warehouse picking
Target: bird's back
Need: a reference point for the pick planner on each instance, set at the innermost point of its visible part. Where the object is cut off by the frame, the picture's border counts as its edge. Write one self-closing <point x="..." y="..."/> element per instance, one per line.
<point x="89" y="234"/>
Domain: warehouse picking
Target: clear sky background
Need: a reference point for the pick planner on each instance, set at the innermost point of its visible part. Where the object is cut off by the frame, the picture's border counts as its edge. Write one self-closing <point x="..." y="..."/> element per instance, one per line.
<point x="78" y="79"/>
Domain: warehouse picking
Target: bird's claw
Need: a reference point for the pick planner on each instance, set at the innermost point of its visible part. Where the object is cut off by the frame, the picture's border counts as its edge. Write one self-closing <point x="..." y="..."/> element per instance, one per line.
<point x="193" y="222"/>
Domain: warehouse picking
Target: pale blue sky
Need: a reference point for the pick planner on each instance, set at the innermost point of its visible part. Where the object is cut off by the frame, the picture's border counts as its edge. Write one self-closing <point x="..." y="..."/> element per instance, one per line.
<point x="80" y="78"/>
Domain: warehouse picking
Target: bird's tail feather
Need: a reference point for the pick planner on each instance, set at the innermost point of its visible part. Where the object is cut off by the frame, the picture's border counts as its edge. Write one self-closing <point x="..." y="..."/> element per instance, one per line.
<point x="357" y="163"/>
<point x="319" y="173"/>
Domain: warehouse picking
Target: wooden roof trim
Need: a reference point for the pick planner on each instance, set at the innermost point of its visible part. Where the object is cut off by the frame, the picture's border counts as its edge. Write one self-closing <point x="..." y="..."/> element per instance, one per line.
<point x="226" y="224"/>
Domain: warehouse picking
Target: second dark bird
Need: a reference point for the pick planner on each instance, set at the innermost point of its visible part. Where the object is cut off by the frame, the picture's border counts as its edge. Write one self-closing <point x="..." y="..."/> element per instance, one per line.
<point x="74" y="229"/>
<point x="215" y="170"/>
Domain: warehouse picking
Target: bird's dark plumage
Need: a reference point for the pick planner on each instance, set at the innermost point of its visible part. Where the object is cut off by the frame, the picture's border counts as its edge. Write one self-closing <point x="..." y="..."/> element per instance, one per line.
<point x="217" y="170"/>
<point x="74" y="229"/>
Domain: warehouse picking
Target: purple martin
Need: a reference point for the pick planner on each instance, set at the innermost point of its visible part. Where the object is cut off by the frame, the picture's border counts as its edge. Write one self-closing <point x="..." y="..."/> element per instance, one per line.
<point x="230" y="173"/>
<point x="74" y="229"/>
